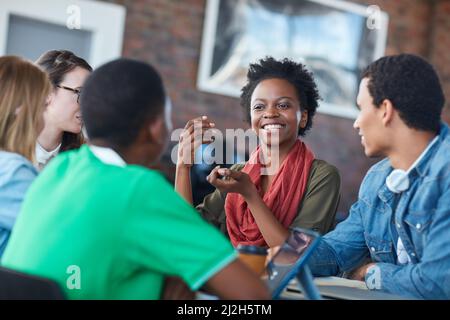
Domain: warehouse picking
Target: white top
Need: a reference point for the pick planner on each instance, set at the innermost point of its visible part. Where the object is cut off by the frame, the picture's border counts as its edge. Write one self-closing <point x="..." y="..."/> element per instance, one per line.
<point x="43" y="156"/>
<point x="108" y="156"/>
<point x="402" y="255"/>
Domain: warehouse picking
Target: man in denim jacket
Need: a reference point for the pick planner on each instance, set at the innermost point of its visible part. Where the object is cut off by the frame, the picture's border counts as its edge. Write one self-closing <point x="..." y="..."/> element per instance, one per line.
<point x="402" y="216"/>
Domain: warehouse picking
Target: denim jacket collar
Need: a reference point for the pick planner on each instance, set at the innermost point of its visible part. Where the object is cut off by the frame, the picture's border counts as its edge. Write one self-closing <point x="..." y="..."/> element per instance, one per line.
<point x="420" y="169"/>
<point x="424" y="163"/>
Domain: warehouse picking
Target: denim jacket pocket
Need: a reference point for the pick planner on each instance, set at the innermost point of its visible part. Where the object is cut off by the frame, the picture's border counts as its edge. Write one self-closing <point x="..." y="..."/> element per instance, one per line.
<point x="419" y="220"/>
<point x="419" y="223"/>
<point x="380" y="250"/>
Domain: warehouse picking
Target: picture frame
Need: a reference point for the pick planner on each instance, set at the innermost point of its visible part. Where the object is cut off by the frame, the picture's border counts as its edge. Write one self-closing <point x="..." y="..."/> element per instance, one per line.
<point x="29" y="28"/>
<point x="335" y="39"/>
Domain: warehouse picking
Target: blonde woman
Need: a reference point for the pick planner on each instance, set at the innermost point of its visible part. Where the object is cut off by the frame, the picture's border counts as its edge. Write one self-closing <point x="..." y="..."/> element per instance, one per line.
<point x="23" y="92"/>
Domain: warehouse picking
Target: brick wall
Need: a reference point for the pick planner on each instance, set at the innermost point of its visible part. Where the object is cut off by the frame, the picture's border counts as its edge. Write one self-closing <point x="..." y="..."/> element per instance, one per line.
<point x="440" y="48"/>
<point x="167" y="34"/>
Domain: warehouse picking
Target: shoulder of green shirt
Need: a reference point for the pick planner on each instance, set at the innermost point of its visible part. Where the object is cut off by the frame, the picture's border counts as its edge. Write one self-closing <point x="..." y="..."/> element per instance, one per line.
<point x="321" y="170"/>
<point x="319" y="204"/>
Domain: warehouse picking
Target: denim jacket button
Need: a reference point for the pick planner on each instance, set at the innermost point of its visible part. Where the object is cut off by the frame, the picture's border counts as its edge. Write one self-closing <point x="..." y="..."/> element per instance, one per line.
<point x="418" y="226"/>
<point x="398" y="225"/>
<point x="373" y="249"/>
<point x="413" y="254"/>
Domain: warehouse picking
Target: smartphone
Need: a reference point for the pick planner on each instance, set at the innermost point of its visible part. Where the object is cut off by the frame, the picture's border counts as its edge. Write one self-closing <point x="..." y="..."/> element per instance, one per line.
<point x="290" y="258"/>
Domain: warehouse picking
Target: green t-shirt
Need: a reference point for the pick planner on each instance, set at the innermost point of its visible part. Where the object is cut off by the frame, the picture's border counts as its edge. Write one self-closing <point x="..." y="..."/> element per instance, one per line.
<point x="112" y="231"/>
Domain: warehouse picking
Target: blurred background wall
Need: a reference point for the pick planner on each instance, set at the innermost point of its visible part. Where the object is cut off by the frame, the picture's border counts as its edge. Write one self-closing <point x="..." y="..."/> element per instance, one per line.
<point x="168" y="34"/>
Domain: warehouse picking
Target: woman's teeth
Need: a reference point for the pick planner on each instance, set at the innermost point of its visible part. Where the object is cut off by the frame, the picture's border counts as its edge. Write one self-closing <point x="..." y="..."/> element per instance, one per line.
<point x="273" y="126"/>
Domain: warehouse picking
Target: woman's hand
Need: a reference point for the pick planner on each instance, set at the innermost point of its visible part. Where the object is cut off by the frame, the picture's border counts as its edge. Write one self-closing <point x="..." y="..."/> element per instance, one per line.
<point x="191" y="138"/>
<point x="227" y="180"/>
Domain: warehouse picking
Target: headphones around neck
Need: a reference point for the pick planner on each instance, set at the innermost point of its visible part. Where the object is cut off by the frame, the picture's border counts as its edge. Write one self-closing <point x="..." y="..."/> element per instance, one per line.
<point x="397" y="181"/>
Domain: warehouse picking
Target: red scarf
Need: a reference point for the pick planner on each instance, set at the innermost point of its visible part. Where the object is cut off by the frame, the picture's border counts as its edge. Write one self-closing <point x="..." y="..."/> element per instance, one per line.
<point x="282" y="197"/>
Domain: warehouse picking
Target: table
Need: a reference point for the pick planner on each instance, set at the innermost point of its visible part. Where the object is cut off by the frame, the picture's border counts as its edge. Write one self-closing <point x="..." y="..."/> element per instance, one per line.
<point x="338" y="289"/>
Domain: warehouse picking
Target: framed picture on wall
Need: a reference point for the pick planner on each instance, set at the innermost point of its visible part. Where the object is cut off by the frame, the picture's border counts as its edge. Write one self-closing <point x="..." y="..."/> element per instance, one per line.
<point x="91" y="29"/>
<point x="335" y="39"/>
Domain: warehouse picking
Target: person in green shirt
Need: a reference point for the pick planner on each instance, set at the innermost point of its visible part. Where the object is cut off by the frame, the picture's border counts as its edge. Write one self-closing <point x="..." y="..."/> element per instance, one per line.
<point x="103" y="225"/>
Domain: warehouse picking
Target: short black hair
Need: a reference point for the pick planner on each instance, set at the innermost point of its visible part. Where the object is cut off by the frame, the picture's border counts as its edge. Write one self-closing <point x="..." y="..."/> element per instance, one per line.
<point x="412" y="85"/>
<point x="119" y="98"/>
<point x="293" y="72"/>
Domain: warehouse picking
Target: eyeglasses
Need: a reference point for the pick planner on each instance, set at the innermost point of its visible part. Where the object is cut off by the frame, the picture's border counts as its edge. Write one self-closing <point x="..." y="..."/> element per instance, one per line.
<point x="76" y="91"/>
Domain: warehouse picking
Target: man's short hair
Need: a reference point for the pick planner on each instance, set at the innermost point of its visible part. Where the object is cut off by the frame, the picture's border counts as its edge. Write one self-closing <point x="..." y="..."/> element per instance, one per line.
<point x="119" y="98"/>
<point x="413" y="87"/>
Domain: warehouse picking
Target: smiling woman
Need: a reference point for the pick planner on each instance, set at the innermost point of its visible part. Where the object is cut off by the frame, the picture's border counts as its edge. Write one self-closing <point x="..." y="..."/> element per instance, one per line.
<point x="254" y="208"/>
<point x="62" y="117"/>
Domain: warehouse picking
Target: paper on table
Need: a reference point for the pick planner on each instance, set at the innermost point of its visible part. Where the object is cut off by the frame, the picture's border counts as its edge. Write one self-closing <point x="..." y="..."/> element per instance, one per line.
<point x="333" y="281"/>
<point x="336" y="281"/>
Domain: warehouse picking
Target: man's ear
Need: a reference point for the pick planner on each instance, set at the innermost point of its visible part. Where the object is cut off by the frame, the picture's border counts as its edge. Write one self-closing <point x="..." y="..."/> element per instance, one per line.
<point x="156" y="130"/>
<point x="387" y="112"/>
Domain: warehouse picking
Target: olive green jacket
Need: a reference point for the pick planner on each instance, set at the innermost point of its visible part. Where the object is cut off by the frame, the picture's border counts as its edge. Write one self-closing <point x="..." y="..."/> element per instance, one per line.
<point x="316" y="211"/>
